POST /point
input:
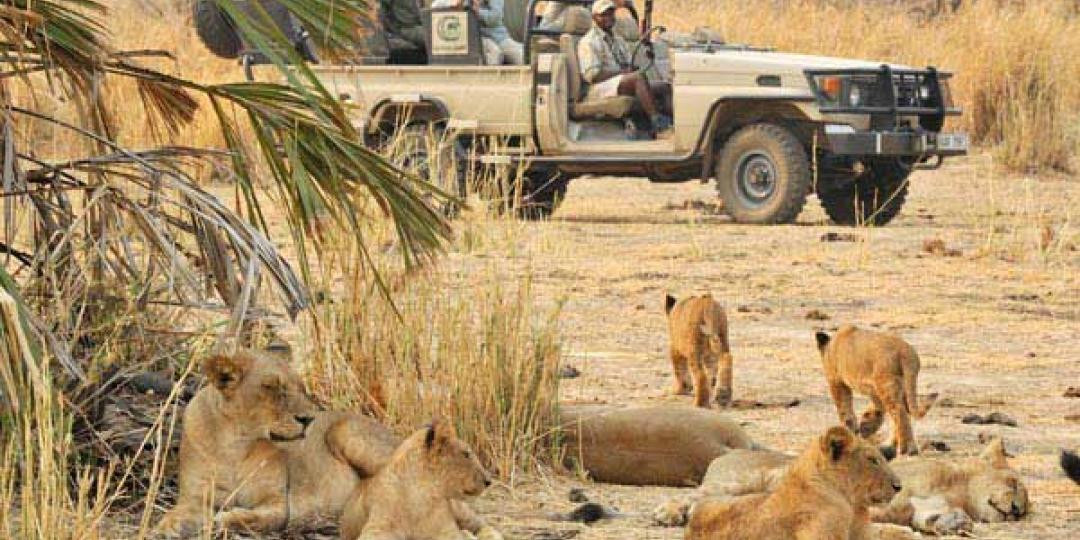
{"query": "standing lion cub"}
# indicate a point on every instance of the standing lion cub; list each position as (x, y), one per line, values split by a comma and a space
(880, 366)
(698, 331)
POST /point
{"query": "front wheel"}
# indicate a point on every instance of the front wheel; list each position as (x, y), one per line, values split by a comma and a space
(763, 175)
(873, 196)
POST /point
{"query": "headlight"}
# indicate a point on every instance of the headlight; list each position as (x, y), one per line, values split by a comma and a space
(854, 96)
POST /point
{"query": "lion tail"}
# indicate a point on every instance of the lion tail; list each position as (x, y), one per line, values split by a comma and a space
(910, 397)
(1070, 463)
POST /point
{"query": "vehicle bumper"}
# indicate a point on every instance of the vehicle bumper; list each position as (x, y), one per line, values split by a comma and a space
(843, 140)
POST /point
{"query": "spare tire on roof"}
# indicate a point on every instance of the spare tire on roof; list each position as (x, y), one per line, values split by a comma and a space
(215, 29)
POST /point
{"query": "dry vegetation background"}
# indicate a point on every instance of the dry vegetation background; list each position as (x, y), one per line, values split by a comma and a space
(481, 336)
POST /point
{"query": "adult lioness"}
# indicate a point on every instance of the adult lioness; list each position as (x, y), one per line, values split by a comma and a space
(698, 331)
(825, 493)
(257, 451)
(881, 366)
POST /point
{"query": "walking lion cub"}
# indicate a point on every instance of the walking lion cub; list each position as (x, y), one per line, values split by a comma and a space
(825, 493)
(880, 366)
(420, 493)
(698, 330)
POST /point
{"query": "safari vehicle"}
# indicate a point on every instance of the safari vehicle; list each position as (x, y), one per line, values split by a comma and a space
(769, 128)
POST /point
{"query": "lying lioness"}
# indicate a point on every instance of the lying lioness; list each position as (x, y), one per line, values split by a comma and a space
(257, 451)
(825, 493)
(881, 366)
(938, 496)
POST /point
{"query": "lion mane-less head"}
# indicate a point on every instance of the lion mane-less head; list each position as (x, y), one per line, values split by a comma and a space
(853, 465)
(451, 462)
(995, 490)
(259, 394)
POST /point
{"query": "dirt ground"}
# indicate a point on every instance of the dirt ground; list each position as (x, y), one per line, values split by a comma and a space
(997, 324)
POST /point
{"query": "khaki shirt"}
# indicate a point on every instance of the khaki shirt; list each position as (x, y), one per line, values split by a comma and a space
(601, 54)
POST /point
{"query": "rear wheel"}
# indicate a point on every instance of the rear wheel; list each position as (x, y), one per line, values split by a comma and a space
(422, 149)
(763, 175)
(534, 197)
(873, 196)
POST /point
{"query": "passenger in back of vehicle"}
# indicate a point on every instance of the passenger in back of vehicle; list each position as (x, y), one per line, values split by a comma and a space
(499, 47)
(575, 19)
(607, 66)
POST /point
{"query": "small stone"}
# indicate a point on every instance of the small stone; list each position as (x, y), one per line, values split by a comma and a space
(578, 495)
(569, 372)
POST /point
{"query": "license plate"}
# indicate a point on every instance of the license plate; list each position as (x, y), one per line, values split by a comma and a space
(952, 141)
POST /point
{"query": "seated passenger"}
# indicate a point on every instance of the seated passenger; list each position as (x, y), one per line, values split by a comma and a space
(499, 47)
(607, 67)
(574, 19)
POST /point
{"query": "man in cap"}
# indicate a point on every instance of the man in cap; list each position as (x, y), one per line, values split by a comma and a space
(607, 66)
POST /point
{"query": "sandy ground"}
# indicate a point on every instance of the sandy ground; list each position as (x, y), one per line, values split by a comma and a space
(997, 325)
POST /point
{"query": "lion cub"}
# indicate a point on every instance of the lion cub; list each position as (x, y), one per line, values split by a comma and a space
(825, 493)
(698, 331)
(420, 493)
(880, 366)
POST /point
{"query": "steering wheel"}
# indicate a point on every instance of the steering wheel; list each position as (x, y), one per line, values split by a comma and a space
(646, 41)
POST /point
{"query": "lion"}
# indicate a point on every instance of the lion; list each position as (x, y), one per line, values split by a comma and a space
(938, 496)
(420, 492)
(826, 493)
(669, 445)
(944, 497)
(880, 366)
(258, 453)
(698, 331)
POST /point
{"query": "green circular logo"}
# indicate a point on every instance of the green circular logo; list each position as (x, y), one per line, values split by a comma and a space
(449, 29)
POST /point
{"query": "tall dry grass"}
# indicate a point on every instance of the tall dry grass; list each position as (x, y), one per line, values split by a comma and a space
(473, 347)
(1017, 71)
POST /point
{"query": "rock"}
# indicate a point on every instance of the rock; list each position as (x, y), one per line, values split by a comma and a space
(569, 372)
(578, 495)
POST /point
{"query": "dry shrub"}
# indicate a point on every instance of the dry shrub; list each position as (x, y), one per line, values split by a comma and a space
(472, 347)
(1015, 63)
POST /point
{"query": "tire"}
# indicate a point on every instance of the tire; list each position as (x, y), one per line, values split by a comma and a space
(873, 197)
(763, 175)
(541, 195)
(215, 29)
(413, 149)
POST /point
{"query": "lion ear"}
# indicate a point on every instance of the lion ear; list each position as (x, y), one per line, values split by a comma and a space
(836, 441)
(225, 372)
(822, 340)
(438, 433)
(669, 303)
(995, 454)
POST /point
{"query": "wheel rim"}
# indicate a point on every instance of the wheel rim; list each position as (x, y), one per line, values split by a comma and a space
(755, 178)
(414, 156)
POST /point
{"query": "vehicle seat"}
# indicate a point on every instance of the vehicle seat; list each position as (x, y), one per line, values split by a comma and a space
(613, 107)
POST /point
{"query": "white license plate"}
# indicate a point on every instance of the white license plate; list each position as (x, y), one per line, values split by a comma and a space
(952, 141)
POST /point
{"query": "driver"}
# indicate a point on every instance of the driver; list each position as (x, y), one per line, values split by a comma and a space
(607, 66)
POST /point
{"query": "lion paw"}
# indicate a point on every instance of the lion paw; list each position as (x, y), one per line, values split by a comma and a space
(954, 522)
(671, 513)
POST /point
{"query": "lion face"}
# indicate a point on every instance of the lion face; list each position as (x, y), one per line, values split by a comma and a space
(453, 463)
(859, 467)
(995, 490)
(260, 394)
